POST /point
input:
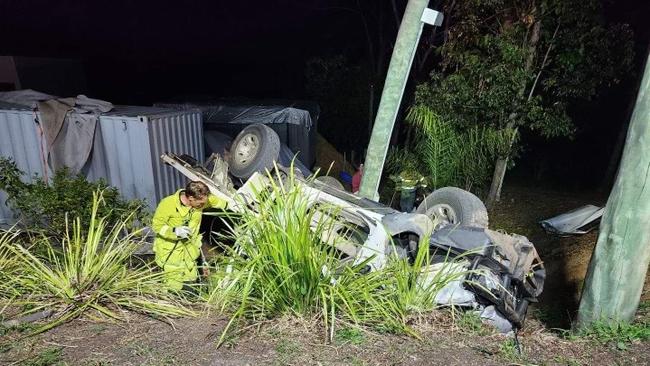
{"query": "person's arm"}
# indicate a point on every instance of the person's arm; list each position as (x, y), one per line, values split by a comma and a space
(216, 202)
(160, 220)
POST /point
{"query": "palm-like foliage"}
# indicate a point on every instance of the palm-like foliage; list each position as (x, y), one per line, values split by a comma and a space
(89, 272)
(450, 156)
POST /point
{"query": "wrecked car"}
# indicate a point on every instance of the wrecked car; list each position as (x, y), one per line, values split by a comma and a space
(504, 272)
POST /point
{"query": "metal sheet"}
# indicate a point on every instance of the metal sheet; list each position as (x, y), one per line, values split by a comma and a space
(180, 132)
(123, 157)
(579, 221)
(20, 141)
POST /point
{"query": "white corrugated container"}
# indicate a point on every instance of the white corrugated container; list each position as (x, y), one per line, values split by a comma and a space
(19, 140)
(128, 144)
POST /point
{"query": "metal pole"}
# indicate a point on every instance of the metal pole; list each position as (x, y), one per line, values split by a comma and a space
(620, 261)
(408, 37)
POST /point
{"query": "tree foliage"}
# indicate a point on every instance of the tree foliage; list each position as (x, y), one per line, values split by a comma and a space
(510, 64)
(341, 90)
(449, 156)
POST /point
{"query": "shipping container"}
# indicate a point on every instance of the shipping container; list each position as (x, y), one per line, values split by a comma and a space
(126, 152)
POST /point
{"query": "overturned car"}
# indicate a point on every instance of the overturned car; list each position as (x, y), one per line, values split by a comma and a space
(503, 272)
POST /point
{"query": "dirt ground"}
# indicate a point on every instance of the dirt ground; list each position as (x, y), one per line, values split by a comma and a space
(291, 341)
(192, 341)
(566, 258)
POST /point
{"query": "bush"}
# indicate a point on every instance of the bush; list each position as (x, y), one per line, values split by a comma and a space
(46, 207)
(448, 155)
(280, 265)
(90, 272)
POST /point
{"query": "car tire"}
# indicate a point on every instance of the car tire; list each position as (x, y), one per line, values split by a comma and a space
(255, 149)
(451, 205)
(331, 182)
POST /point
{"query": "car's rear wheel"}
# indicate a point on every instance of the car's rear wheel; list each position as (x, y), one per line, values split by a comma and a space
(451, 205)
(254, 150)
(331, 181)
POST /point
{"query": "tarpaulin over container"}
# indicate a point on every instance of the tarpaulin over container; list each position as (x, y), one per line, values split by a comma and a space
(294, 122)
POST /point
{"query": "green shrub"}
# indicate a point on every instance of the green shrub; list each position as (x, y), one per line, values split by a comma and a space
(46, 207)
(90, 271)
(448, 155)
(619, 333)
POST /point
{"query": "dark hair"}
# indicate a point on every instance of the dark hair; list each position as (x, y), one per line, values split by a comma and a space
(196, 189)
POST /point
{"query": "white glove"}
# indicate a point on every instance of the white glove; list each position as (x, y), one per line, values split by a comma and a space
(182, 232)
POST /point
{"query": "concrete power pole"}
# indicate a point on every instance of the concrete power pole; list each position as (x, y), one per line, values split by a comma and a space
(620, 261)
(408, 37)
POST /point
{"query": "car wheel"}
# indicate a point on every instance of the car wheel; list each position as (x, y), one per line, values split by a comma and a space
(254, 150)
(451, 205)
(331, 182)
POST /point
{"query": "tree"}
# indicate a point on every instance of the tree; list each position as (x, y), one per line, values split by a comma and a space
(510, 64)
(449, 156)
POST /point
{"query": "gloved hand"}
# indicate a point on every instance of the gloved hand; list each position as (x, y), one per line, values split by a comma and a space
(183, 232)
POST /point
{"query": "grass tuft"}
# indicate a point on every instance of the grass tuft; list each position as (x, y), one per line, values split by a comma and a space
(620, 334)
(508, 350)
(352, 335)
(470, 321)
(48, 357)
(280, 265)
(87, 272)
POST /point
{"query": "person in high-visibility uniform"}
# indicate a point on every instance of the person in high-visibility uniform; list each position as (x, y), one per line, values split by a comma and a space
(407, 183)
(178, 241)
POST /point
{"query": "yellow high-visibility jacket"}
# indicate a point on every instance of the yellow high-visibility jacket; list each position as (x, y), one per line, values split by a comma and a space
(176, 256)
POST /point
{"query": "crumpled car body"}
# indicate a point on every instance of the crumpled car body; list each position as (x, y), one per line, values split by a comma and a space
(503, 272)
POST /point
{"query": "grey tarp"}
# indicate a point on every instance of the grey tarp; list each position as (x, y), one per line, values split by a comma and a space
(295, 122)
(25, 97)
(70, 135)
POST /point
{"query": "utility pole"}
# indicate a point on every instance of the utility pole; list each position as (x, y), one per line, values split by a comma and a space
(408, 37)
(620, 261)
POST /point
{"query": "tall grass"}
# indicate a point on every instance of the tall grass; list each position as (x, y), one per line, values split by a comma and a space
(87, 272)
(279, 265)
(9, 266)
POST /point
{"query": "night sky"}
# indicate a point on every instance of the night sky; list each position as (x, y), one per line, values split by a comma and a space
(140, 52)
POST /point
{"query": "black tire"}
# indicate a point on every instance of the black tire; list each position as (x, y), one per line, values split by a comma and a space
(254, 150)
(464, 207)
(331, 181)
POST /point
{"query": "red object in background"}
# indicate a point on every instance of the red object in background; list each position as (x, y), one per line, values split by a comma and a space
(356, 179)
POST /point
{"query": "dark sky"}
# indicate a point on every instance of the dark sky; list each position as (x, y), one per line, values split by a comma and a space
(140, 52)
(162, 48)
